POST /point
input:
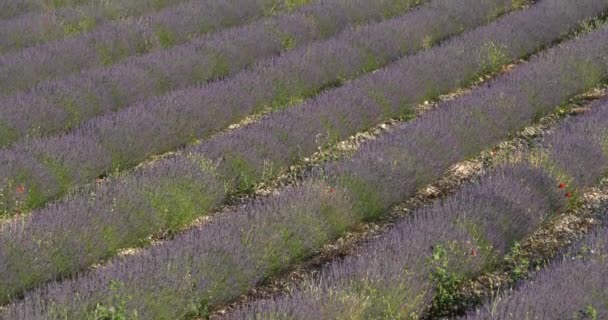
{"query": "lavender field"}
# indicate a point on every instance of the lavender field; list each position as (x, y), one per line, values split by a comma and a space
(303, 159)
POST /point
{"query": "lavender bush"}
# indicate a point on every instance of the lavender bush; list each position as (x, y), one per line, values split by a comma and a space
(114, 42)
(11, 9)
(249, 245)
(39, 27)
(75, 99)
(407, 158)
(586, 136)
(573, 288)
(165, 196)
(130, 136)
(422, 258)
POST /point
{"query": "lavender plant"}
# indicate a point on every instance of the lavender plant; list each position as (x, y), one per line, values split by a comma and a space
(410, 156)
(117, 41)
(572, 287)
(11, 9)
(422, 259)
(130, 136)
(75, 99)
(35, 27)
(582, 141)
(226, 245)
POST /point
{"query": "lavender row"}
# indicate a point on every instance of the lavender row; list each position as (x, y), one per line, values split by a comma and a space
(11, 9)
(218, 261)
(419, 259)
(575, 287)
(181, 116)
(128, 137)
(38, 27)
(233, 174)
(422, 258)
(245, 156)
(114, 42)
(66, 103)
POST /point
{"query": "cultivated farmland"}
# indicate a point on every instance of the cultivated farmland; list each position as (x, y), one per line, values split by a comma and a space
(303, 159)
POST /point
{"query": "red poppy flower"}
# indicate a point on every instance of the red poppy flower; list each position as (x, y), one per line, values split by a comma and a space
(568, 194)
(20, 189)
(332, 190)
(474, 252)
(561, 185)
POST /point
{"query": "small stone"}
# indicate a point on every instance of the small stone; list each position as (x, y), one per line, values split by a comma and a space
(579, 110)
